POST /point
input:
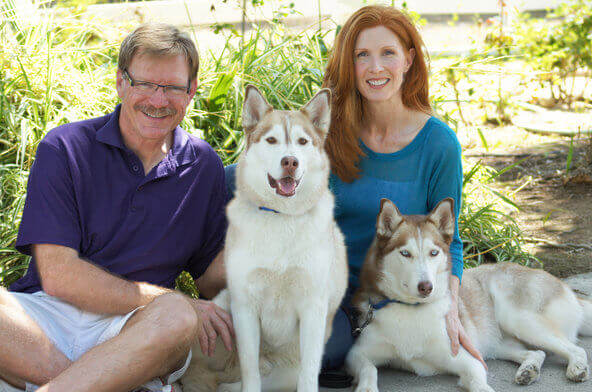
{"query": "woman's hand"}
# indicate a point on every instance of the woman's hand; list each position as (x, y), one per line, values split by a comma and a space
(456, 331)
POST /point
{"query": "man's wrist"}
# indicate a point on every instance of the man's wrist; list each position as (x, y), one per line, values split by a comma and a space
(149, 291)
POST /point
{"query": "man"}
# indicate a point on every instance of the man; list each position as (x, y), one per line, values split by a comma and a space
(116, 207)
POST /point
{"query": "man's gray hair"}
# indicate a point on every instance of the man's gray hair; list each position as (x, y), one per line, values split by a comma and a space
(158, 39)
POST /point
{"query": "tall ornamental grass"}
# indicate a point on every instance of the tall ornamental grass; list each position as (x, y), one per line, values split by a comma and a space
(52, 71)
(57, 68)
(286, 67)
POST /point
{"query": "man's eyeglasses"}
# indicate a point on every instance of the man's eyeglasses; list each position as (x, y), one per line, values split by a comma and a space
(148, 88)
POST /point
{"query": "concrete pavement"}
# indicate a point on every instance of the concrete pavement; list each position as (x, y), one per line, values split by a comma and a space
(501, 373)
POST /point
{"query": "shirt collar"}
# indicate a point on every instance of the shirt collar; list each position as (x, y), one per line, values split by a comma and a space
(182, 151)
(110, 133)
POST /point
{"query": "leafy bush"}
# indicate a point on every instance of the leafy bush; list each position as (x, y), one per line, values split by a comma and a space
(287, 68)
(489, 234)
(559, 47)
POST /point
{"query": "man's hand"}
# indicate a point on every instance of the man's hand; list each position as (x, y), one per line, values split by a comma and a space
(213, 321)
(457, 334)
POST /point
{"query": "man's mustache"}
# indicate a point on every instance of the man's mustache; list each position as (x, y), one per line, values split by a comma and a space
(156, 112)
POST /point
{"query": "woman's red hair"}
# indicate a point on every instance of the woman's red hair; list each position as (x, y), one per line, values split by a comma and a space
(343, 144)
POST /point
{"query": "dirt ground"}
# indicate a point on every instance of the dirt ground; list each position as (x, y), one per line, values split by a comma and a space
(555, 208)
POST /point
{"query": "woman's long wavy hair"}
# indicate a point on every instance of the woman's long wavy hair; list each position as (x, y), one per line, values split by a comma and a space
(342, 143)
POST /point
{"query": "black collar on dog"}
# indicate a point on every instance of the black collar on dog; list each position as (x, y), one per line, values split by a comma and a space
(268, 209)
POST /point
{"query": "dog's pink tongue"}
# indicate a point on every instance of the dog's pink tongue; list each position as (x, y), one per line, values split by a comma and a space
(287, 185)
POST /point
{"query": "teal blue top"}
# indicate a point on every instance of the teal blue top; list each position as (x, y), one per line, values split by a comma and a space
(415, 178)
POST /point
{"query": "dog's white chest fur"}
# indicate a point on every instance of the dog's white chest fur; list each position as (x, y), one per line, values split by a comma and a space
(412, 332)
(275, 262)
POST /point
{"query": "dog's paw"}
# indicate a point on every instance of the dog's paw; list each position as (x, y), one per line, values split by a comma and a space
(527, 374)
(578, 372)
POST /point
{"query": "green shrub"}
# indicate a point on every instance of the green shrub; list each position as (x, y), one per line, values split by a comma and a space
(558, 47)
(489, 234)
(287, 68)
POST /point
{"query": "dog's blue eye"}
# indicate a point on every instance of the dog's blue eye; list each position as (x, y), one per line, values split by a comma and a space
(271, 140)
(434, 253)
(405, 253)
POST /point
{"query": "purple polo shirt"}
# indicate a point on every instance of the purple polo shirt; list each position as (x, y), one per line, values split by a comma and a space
(87, 191)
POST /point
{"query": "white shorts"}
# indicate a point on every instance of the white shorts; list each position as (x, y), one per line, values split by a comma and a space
(74, 332)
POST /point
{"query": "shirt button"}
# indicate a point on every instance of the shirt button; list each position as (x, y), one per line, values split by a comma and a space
(135, 168)
(134, 209)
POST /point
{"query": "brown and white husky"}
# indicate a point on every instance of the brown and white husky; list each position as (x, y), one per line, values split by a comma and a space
(503, 307)
(285, 256)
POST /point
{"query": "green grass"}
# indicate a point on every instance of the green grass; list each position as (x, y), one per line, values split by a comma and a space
(489, 234)
(61, 68)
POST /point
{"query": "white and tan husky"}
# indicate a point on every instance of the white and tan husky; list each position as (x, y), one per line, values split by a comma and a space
(502, 307)
(284, 254)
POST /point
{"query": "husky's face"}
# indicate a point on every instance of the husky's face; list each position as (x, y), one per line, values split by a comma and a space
(413, 252)
(284, 159)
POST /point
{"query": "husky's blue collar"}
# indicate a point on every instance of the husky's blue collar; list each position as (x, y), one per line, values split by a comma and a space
(268, 209)
(387, 301)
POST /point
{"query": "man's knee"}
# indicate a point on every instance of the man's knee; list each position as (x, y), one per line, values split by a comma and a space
(173, 321)
(27, 353)
(12, 381)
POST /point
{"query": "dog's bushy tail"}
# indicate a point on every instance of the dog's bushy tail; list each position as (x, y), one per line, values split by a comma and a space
(586, 328)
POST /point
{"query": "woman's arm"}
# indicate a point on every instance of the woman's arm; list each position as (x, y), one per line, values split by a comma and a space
(456, 331)
(446, 181)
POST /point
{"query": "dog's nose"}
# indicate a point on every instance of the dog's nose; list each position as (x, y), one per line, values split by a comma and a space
(425, 288)
(289, 164)
(290, 161)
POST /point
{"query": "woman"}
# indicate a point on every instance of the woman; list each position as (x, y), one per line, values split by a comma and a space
(384, 142)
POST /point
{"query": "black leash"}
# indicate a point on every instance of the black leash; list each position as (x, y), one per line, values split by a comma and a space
(367, 320)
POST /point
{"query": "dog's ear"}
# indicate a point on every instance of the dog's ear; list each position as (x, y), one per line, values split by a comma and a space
(443, 217)
(388, 219)
(318, 110)
(254, 108)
